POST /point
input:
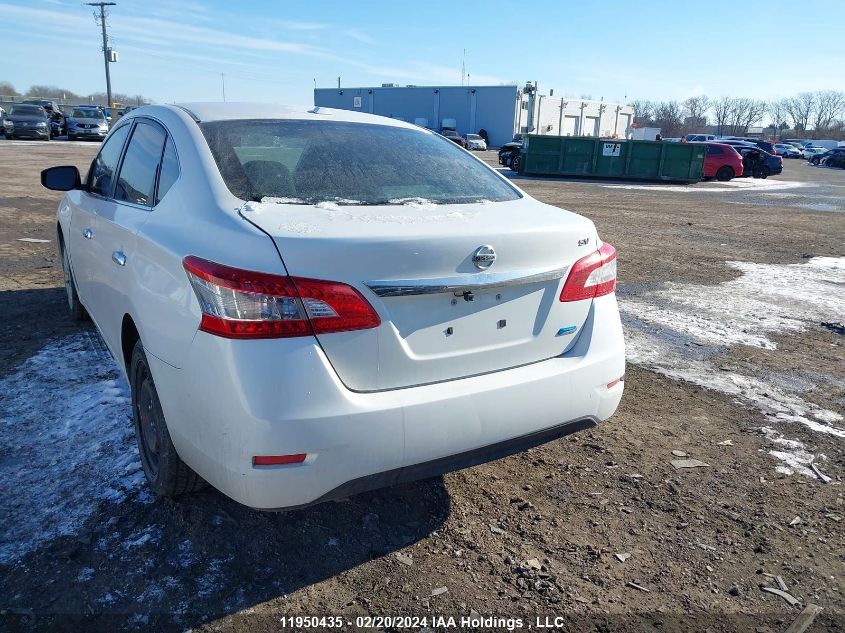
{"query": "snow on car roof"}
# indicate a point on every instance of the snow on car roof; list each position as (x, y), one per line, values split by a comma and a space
(228, 111)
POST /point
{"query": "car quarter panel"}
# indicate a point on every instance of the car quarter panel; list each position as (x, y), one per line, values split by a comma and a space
(198, 216)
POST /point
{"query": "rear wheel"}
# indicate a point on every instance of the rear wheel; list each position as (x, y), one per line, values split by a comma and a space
(725, 173)
(765, 172)
(516, 161)
(816, 160)
(77, 310)
(166, 473)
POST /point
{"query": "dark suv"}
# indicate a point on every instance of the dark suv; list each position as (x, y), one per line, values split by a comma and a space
(766, 146)
(58, 125)
(832, 158)
(508, 151)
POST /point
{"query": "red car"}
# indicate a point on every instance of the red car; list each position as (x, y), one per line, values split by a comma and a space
(722, 162)
(455, 138)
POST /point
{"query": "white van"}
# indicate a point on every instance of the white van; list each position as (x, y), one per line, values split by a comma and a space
(826, 143)
(697, 138)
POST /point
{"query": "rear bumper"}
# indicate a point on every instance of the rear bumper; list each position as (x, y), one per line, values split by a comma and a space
(236, 399)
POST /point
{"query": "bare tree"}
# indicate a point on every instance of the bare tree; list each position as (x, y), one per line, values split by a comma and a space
(695, 109)
(777, 110)
(7, 89)
(722, 111)
(830, 105)
(755, 109)
(800, 108)
(668, 117)
(643, 112)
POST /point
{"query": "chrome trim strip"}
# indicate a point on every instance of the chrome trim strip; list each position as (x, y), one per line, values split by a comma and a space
(463, 283)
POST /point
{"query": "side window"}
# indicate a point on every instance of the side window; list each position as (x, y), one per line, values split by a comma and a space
(712, 149)
(169, 170)
(136, 182)
(101, 176)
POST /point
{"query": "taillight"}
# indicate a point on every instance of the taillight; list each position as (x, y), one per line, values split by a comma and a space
(245, 304)
(591, 276)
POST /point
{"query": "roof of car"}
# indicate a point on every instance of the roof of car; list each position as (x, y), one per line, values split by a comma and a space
(229, 111)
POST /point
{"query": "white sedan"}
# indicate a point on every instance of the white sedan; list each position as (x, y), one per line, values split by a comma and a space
(475, 142)
(786, 151)
(313, 303)
(809, 152)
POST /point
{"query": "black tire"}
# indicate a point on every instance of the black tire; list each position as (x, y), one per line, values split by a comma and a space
(77, 310)
(167, 475)
(71, 137)
(816, 160)
(725, 173)
(516, 161)
(765, 172)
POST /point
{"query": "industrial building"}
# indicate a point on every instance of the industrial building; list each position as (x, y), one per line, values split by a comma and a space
(500, 110)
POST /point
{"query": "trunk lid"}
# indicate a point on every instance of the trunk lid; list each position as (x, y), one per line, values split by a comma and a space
(443, 316)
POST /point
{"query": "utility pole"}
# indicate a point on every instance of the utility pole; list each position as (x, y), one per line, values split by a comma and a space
(106, 59)
(223, 80)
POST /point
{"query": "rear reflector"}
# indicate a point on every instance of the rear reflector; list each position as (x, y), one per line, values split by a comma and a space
(613, 383)
(278, 460)
(246, 304)
(591, 276)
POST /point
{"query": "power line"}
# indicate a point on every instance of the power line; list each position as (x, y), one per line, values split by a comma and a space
(106, 50)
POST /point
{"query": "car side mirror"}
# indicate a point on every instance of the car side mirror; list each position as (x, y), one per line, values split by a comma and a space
(63, 178)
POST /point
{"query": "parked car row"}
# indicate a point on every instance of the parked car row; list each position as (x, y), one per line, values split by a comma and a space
(468, 141)
(728, 159)
(831, 157)
(45, 119)
(725, 159)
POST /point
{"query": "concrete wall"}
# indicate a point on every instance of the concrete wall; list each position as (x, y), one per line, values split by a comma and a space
(501, 110)
(473, 107)
(595, 118)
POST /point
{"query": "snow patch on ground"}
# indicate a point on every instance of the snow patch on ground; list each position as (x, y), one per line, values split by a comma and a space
(792, 453)
(766, 299)
(738, 184)
(66, 443)
(819, 206)
(678, 329)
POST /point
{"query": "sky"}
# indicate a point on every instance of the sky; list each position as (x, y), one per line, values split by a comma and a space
(174, 51)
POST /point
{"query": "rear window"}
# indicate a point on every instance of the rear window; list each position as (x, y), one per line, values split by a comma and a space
(307, 162)
(85, 113)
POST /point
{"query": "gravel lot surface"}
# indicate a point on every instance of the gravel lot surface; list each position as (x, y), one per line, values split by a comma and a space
(733, 298)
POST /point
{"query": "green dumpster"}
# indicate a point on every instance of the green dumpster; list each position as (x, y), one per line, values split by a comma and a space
(611, 158)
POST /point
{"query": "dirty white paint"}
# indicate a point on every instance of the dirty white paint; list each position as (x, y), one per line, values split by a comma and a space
(66, 443)
(678, 329)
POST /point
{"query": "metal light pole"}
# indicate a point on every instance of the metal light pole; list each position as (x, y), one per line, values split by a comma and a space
(106, 59)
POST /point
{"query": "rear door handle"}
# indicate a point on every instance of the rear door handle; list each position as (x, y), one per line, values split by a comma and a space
(119, 258)
(87, 234)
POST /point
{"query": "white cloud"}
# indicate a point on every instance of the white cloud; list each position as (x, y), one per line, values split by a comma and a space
(358, 35)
